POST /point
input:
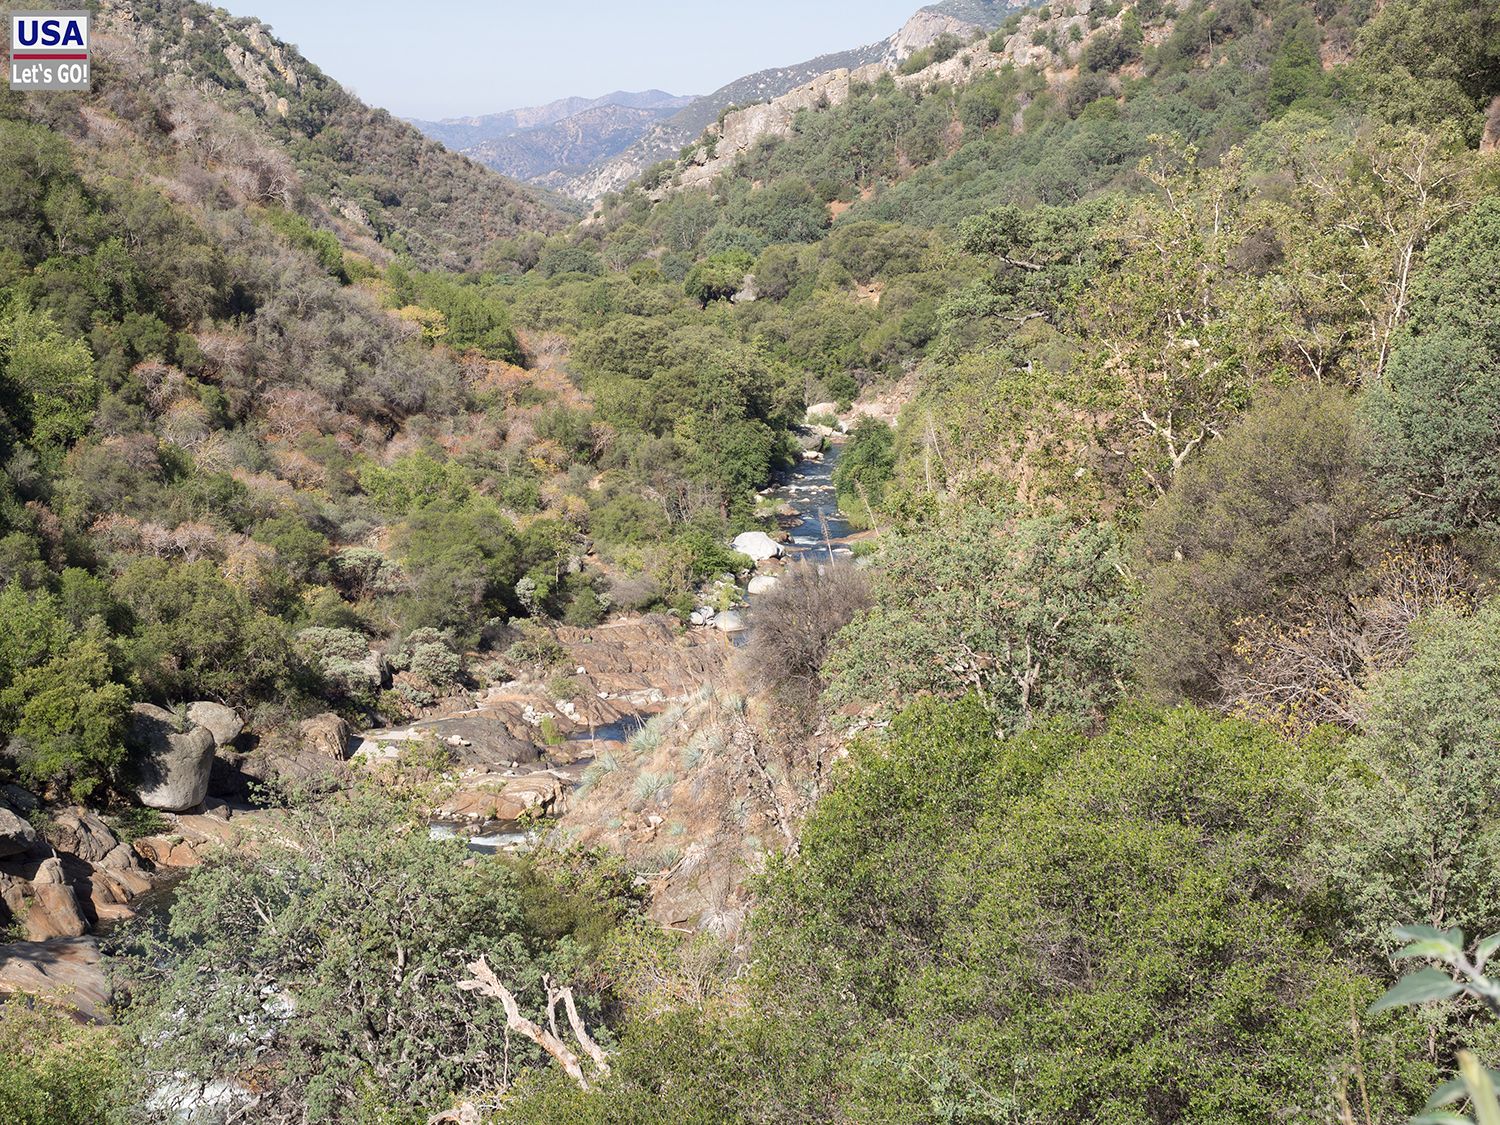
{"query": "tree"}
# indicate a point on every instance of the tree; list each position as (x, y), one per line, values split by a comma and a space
(1435, 433)
(1268, 516)
(67, 718)
(1424, 61)
(1048, 926)
(719, 277)
(1029, 612)
(1411, 827)
(50, 377)
(462, 562)
(1296, 71)
(193, 636)
(865, 468)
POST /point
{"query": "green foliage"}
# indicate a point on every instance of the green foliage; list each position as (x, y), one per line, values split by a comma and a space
(1434, 439)
(718, 277)
(1029, 612)
(67, 717)
(368, 923)
(193, 636)
(322, 244)
(1408, 831)
(55, 1070)
(1047, 926)
(1111, 910)
(61, 702)
(1463, 974)
(48, 379)
(1266, 514)
(462, 561)
(1424, 61)
(413, 481)
(1296, 71)
(866, 466)
(472, 316)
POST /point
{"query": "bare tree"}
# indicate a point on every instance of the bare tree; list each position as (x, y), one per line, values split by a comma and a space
(1310, 669)
(794, 624)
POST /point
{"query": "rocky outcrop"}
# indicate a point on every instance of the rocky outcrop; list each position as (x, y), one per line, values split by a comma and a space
(194, 837)
(81, 833)
(172, 759)
(754, 90)
(922, 30)
(742, 128)
(53, 910)
(66, 971)
(506, 799)
(325, 735)
(69, 879)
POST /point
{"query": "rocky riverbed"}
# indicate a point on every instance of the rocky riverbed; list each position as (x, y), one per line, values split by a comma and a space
(636, 739)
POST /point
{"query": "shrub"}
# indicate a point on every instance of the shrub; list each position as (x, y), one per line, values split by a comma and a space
(795, 623)
(1030, 612)
(1267, 514)
(56, 1070)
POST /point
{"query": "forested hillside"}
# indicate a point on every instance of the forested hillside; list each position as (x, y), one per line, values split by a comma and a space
(1157, 348)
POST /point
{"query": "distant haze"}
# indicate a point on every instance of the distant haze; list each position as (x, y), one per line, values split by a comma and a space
(450, 58)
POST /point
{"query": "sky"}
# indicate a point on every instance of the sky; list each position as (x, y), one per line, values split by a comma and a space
(451, 58)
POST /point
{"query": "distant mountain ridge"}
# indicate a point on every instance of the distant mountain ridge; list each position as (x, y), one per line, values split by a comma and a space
(461, 133)
(545, 142)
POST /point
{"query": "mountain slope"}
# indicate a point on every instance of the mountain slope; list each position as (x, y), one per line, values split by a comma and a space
(687, 125)
(550, 151)
(379, 174)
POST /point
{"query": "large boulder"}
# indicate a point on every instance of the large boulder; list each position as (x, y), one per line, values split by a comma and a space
(54, 910)
(758, 545)
(326, 735)
(19, 799)
(729, 622)
(16, 835)
(762, 584)
(173, 763)
(220, 721)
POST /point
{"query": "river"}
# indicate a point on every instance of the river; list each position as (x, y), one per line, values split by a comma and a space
(817, 524)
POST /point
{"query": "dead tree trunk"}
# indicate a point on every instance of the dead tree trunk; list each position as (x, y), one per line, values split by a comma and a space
(487, 984)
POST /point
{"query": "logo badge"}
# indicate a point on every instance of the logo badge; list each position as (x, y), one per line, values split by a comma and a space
(49, 51)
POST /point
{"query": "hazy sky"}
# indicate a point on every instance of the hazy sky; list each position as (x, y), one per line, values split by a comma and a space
(448, 58)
